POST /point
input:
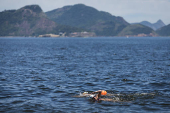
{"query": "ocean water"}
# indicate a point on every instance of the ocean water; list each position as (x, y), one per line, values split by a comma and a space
(46, 74)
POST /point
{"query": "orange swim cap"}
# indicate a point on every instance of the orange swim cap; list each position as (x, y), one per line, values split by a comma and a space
(103, 92)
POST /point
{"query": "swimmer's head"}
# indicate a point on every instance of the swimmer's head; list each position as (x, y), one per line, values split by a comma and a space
(103, 92)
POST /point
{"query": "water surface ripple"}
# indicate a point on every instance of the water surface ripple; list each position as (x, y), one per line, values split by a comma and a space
(44, 75)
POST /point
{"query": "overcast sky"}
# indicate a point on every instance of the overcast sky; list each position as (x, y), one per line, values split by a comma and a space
(131, 10)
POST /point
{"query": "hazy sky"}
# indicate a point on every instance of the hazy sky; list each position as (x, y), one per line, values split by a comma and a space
(130, 10)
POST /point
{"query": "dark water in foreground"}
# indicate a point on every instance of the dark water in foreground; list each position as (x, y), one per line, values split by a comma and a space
(44, 75)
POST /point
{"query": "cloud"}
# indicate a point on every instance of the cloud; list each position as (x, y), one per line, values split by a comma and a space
(131, 10)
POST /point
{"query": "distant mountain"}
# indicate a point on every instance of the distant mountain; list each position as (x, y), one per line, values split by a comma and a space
(25, 21)
(28, 21)
(136, 29)
(154, 26)
(32, 21)
(164, 31)
(79, 15)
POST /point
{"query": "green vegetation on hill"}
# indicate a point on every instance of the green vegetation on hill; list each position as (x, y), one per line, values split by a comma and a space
(34, 8)
(164, 31)
(57, 12)
(6, 26)
(102, 23)
(29, 21)
(135, 29)
(21, 22)
(112, 28)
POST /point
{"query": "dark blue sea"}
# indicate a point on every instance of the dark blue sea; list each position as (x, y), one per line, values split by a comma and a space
(45, 74)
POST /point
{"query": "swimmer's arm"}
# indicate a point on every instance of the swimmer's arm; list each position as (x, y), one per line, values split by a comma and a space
(110, 100)
(96, 91)
(106, 99)
(113, 100)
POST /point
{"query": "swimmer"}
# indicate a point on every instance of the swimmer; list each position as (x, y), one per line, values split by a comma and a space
(102, 95)
(96, 97)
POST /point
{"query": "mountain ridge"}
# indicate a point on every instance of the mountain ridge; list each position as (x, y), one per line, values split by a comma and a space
(29, 20)
(25, 21)
(155, 26)
(137, 29)
(87, 17)
(164, 31)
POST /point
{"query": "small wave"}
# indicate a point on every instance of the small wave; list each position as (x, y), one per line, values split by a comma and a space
(17, 102)
(160, 84)
(45, 88)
